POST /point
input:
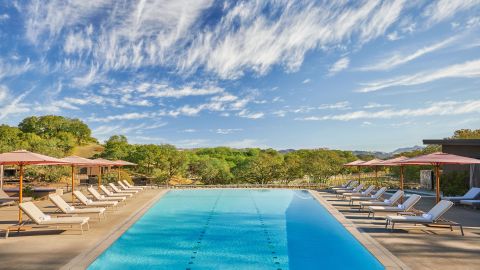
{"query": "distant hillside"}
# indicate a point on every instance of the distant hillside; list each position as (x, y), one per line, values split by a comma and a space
(384, 155)
(87, 151)
(407, 149)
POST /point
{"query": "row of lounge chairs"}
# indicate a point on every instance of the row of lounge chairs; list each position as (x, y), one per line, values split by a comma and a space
(69, 215)
(405, 212)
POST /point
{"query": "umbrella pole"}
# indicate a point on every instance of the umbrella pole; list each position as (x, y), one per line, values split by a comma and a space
(73, 182)
(118, 172)
(376, 175)
(401, 177)
(437, 182)
(20, 195)
(99, 178)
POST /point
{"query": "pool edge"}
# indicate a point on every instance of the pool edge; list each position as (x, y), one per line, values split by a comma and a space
(383, 255)
(84, 259)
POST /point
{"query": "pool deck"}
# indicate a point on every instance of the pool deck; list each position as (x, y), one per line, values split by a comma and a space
(422, 248)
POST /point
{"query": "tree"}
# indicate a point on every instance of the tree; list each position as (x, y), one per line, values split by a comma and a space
(466, 134)
(116, 147)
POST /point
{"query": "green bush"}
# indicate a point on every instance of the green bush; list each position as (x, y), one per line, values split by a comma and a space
(454, 183)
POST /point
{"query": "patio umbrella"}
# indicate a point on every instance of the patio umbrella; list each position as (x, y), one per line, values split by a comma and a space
(121, 163)
(393, 162)
(22, 158)
(355, 163)
(437, 159)
(78, 161)
(103, 162)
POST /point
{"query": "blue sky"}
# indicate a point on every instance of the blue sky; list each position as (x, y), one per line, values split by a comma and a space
(370, 75)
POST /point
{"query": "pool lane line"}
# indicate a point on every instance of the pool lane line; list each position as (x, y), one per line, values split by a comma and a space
(199, 239)
(269, 241)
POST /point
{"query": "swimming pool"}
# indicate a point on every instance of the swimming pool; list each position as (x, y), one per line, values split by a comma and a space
(236, 229)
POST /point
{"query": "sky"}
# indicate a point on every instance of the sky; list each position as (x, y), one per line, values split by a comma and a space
(352, 75)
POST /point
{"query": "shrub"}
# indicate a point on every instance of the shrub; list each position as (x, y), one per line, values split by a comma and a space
(454, 183)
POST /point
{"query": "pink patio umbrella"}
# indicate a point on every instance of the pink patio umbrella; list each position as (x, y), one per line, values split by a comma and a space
(355, 163)
(121, 163)
(78, 161)
(103, 162)
(437, 159)
(393, 162)
(22, 158)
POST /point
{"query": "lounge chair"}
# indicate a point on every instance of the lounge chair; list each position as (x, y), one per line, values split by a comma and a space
(431, 218)
(387, 202)
(130, 185)
(374, 197)
(117, 190)
(474, 203)
(87, 202)
(355, 190)
(407, 206)
(472, 194)
(111, 194)
(39, 218)
(365, 193)
(351, 186)
(4, 198)
(342, 186)
(99, 197)
(124, 187)
(71, 210)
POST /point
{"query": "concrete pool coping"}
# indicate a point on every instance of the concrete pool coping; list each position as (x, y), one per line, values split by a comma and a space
(383, 255)
(84, 259)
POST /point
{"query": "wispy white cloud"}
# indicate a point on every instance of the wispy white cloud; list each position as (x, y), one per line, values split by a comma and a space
(226, 131)
(186, 91)
(443, 108)
(124, 116)
(251, 115)
(306, 81)
(342, 105)
(338, 66)
(444, 9)
(402, 58)
(246, 143)
(469, 69)
(14, 106)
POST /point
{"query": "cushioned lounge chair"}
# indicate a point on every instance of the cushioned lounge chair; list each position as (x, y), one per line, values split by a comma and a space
(350, 186)
(117, 190)
(111, 194)
(433, 217)
(344, 185)
(474, 203)
(124, 187)
(364, 193)
(407, 206)
(355, 190)
(39, 218)
(65, 208)
(374, 197)
(87, 202)
(99, 197)
(472, 194)
(130, 185)
(387, 202)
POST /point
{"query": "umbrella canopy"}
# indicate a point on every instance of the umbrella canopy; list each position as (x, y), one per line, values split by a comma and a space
(354, 163)
(124, 163)
(370, 163)
(437, 159)
(105, 162)
(22, 158)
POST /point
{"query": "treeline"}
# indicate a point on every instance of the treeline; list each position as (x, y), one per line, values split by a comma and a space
(222, 165)
(50, 135)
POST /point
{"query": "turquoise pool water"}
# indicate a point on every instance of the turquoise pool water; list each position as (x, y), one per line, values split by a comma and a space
(236, 229)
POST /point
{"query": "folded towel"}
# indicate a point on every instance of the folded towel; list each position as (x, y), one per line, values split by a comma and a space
(386, 201)
(89, 201)
(45, 218)
(70, 208)
(372, 196)
(101, 196)
(427, 216)
(363, 192)
(401, 206)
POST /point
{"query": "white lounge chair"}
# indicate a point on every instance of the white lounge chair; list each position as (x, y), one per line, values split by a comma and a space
(111, 194)
(387, 202)
(350, 186)
(406, 206)
(99, 197)
(124, 187)
(472, 194)
(433, 217)
(474, 203)
(365, 193)
(355, 190)
(87, 202)
(117, 190)
(65, 208)
(39, 218)
(130, 185)
(374, 197)
(4, 198)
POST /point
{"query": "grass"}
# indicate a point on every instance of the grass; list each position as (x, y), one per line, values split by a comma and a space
(87, 151)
